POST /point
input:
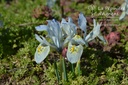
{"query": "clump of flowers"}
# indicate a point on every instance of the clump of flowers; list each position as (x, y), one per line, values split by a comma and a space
(64, 35)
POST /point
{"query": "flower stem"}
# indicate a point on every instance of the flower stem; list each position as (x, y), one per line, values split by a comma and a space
(56, 71)
(78, 68)
(64, 70)
(73, 70)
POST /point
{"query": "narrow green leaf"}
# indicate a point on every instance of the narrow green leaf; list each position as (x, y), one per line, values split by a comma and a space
(64, 70)
(56, 71)
(77, 69)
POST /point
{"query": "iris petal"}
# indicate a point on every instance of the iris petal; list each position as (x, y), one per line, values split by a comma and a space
(126, 1)
(45, 41)
(95, 33)
(82, 22)
(38, 38)
(74, 53)
(94, 22)
(96, 30)
(89, 37)
(67, 40)
(102, 38)
(78, 40)
(41, 28)
(56, 42)
(70, 20)
(68, 27)
(42, 40)
(122, 16)
(123, 7)
(41, 53)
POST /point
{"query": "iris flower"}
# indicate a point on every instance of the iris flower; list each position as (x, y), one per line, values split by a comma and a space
(42, 50)
(56, 35)
(54, 30)
(70, 29)
(75, 48)
(65, 32)
(124, 8)
(95, 33)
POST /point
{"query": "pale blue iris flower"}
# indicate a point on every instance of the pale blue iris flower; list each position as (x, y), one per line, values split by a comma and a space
(42, 50)
(54, 30)
(55, 33)
(95, 33)
(124, 8)
(75, 48)
(41, 53)
(65, 32)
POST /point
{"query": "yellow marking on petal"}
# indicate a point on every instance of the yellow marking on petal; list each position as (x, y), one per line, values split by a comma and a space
(73, 49)
(40, 49)
(77, 36)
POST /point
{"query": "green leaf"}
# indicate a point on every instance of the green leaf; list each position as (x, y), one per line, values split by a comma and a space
(77, 69)
(41, 53)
